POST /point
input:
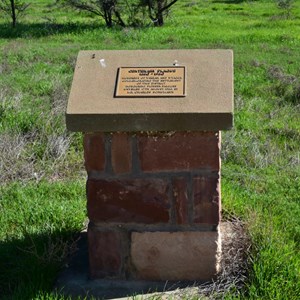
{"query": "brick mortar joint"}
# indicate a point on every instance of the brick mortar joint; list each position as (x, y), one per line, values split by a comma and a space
(135, 227)
(135, 168)
(172, 209)
(94, 175)
(108, 170)
(190, 197)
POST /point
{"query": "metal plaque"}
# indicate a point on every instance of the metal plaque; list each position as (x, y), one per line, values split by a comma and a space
(151, 82)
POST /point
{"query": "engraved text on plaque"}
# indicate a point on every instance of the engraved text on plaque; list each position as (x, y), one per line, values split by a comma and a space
(151, 82)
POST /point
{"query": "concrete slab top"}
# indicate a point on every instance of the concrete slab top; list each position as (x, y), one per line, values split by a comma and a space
(206, 105)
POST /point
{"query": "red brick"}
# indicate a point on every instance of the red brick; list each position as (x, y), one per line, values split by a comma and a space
(206, 194)
(136, 200)
(105, 253)
(179, 151)
(121, 156)
(94, 151)
(181, 200)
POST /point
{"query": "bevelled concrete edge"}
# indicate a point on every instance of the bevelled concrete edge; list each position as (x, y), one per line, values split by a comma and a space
(79, 285)
(149, 122)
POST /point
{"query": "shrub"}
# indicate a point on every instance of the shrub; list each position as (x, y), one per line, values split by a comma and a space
(13, 8)
(285, 5)
(113, 11)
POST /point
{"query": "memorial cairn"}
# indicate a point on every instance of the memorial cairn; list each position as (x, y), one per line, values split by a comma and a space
(151, 122)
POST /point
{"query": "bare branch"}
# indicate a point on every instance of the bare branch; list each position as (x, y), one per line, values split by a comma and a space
(168, 6)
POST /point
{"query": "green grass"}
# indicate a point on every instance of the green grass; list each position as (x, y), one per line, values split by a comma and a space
(39, 222)
(42, 200)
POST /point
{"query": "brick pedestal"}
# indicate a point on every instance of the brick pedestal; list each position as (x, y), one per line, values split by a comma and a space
(153, 188)
(154, 204)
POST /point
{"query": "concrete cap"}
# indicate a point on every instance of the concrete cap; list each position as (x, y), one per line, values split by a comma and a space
(208, 104)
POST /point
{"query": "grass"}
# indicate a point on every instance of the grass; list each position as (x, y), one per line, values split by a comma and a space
(42, 201)
(39, 224)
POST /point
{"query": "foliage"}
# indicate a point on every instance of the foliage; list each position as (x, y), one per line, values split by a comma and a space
(109, 10)
(13, 8)
(115, 11)
(157, 9)
(285, 5)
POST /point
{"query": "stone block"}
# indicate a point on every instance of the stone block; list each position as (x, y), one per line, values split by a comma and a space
(175, 255)
(180, 151)
(130, 200)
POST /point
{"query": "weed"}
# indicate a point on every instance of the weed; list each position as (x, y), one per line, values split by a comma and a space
(287, 86)
(14, 164)
(285, 5)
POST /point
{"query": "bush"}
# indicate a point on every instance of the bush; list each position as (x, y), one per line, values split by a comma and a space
(113, 11)
(13, 8)
(286, 5)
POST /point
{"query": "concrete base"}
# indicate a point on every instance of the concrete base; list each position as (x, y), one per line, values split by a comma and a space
(118, 289)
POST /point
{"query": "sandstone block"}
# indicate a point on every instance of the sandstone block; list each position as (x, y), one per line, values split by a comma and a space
(208, 105)
(175, 255)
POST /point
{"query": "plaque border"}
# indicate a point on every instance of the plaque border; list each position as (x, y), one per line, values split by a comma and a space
(150, 96)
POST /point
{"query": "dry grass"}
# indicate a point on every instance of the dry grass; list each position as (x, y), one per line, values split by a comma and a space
(233, 274)
(276, 72)
(33, 152)
(14, 163)
(286, 87)
(55, 250)
(234, 262)
(19, 163)
(247, 148)
(59, 98)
